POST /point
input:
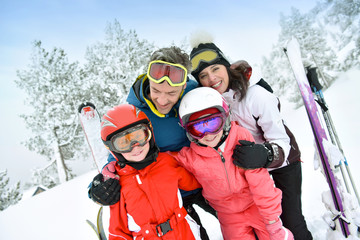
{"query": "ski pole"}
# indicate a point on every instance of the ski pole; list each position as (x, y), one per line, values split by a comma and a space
(328, 116)
(333, 135)
(316, 87)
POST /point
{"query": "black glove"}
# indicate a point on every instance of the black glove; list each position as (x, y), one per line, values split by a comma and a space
(249, 155)
(105, 192)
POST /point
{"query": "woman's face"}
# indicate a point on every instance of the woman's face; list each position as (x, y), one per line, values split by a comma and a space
(215, 76)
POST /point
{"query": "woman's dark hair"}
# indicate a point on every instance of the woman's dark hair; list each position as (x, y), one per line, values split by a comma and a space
(238, 82)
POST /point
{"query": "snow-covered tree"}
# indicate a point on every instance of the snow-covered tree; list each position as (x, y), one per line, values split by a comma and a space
(315, 52)
(113, 65)
(53, 88)
(342, 21)
(56, 87)
(45, 176)
(8, 196)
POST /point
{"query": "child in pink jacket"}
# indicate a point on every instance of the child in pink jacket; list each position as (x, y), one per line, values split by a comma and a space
(246, 201)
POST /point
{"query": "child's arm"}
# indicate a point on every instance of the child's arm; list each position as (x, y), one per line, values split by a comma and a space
(277, 231)
(266, 196)
(118, 222)
(187, 181)
(268, 200)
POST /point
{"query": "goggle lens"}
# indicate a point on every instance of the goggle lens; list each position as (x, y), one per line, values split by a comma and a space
(125, 141)
(205, 56)
(211, 124)
(174, 74)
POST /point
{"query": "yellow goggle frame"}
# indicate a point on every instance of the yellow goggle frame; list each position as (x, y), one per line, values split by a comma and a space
(174, 74)
(204, 56)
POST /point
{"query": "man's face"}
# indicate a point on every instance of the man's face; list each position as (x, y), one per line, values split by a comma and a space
(164, 96)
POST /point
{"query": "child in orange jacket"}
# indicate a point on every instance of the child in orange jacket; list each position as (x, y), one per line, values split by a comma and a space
(150, 206)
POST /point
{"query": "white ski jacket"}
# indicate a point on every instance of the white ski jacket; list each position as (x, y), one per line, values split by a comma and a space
(259, 113)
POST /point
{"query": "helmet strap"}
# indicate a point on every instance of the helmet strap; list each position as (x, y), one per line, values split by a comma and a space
(226, 131)
(227, 125)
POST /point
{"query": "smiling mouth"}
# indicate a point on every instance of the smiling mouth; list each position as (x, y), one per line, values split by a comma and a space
(216, 85)
(137, 154)
(211, 139)
(162, 106)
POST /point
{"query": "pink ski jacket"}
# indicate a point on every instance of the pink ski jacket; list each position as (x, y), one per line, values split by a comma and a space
(228, 188)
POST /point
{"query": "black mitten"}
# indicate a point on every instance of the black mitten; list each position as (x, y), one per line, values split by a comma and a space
(105, 192)
(249, 155)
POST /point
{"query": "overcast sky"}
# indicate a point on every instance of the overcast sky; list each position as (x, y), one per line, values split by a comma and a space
(242, 29)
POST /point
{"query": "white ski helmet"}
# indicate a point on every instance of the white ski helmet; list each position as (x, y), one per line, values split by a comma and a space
(199, 99)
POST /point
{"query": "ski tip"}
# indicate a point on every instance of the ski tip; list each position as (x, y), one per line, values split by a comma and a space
(86, 104)
(289, 43)
(292, 42)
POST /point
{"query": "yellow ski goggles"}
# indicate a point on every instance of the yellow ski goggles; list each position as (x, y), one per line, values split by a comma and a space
(174, 74)
(206, 56)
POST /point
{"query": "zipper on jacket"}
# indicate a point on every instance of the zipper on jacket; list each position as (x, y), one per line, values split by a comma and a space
(227, 175)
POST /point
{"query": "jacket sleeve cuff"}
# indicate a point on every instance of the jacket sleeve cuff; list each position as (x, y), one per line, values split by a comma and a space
(278, 156)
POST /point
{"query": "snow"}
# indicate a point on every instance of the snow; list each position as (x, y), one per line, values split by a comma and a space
(61, 212)
(31, 191)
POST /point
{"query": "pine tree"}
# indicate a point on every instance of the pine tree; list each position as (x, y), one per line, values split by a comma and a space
(315, 52)
(44, 176)
(55, 88)
(52, 85)
(8, 196)
(113, 65)
(342, 21)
